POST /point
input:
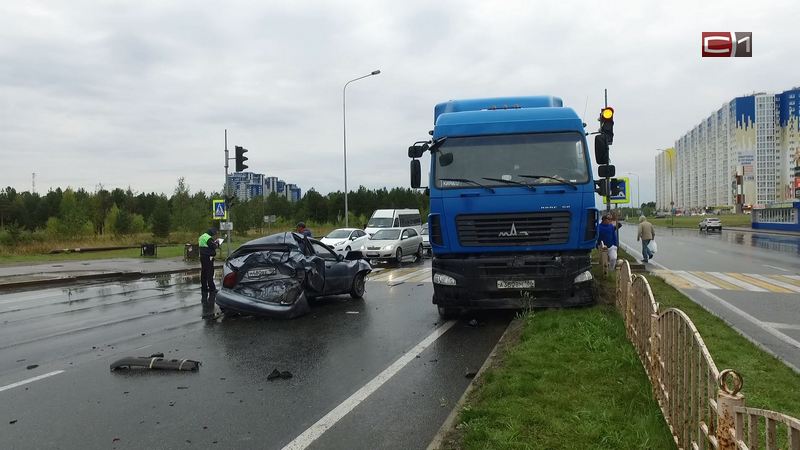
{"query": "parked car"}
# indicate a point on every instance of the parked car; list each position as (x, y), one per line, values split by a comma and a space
(710, 223)
(343, 240)
(392, 244)
(277, 275)
(426, 241)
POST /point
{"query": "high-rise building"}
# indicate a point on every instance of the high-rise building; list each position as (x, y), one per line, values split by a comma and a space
(744, 153)
(247, 185)
(665, 179)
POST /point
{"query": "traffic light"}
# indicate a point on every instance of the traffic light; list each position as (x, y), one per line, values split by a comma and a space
(240, 158)
(616, 186)
(607, 124)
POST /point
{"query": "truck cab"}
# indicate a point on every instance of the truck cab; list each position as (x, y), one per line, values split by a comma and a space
(512, 209)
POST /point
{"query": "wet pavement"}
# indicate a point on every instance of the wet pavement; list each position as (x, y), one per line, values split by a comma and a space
(382, 372)
(750, 279)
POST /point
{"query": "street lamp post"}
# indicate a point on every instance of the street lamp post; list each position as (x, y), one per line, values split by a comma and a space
(344, 139)
(638, 192)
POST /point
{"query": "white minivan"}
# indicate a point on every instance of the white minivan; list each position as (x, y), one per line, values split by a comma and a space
(394, 218)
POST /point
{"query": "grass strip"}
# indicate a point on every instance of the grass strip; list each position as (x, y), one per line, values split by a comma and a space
(570, 379)
(768, 382)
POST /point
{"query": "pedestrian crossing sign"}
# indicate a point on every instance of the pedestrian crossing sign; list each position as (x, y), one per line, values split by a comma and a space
(218, 210)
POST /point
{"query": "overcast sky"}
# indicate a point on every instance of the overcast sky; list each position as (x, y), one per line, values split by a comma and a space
(138, 93)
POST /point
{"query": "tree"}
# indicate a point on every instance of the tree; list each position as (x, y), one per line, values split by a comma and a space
(160, 219)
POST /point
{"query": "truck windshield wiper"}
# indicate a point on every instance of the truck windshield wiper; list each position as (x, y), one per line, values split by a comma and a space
(465, 180)
(536, 177)
(527, 185)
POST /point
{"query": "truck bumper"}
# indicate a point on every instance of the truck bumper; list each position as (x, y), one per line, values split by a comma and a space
(547, 280)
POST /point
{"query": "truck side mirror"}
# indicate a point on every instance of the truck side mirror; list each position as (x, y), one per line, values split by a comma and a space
(600, 149)
(416, 173)
(606, 171)
(417, 150)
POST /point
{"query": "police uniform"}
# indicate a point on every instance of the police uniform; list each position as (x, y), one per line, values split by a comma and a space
(208, 249)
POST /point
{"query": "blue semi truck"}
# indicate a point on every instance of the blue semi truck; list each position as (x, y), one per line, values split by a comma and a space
(512, 204)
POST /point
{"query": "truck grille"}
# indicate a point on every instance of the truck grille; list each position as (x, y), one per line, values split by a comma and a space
(481, 230)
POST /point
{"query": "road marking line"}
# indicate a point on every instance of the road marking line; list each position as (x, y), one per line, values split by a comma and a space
(786, 279)
(775, 267)
(421, 277)
(403, 278)
(775, 282)
(787, 326)
(699, 282)
(757, 282)
(329, 420)
(794, 277)
(718, 281)
(29, 380)
(391, 273)
(738, 282)
(673, 279)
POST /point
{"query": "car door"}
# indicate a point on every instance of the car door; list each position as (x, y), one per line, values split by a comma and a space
(337, 277)
(414, 239)
(358, 239)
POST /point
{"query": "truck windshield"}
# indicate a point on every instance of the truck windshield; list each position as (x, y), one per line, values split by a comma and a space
(559, 156)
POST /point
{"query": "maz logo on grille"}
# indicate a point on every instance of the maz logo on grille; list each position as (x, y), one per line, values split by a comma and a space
(513, 232)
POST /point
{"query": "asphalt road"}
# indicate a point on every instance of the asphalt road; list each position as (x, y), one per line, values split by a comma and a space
(751, 280)
(382, 372)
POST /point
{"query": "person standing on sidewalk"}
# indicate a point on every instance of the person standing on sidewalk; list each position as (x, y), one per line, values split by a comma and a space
(646, 234)
(208, 250)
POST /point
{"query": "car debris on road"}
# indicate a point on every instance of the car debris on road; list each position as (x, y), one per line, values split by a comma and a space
(156, 362)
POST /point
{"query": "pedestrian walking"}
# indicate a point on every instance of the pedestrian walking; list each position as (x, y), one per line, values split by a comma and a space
(208, 250)
(607, 236)
(646, 234)
(301, 228)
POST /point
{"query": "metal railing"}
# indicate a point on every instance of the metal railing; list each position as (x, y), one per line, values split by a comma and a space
(702, 405)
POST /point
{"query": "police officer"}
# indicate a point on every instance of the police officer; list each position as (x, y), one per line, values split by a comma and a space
(208, 249)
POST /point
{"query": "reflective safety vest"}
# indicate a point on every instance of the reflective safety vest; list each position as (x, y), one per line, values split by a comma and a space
(203, 241)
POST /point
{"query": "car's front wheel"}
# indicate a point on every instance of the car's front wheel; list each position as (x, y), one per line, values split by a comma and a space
(420, 253)
(359, 285)
(398, 256)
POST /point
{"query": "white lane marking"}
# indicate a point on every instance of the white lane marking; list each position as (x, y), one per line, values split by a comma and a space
(787, 326)
(763, 325)
(697, 281)
(329, 420)
(775, 267)
(774, 282)
(29, 380)
(738, 282)
(400, 280)
(794, 277)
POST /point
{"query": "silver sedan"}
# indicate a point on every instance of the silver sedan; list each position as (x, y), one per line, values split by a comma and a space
(392, 244)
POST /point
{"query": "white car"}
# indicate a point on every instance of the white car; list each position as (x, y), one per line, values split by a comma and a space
(426, 241)
(392, 244)
(710, 223)
(342, 240)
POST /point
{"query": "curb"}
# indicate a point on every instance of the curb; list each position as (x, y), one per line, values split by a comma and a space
(449, 422)
(94, 277)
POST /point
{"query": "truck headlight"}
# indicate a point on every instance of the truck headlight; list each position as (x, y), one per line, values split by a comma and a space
(583, 277)
(440, 278)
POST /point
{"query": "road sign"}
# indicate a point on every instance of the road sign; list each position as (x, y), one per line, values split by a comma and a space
(621, 185)
(226, 226)
(218, 210)
(270, 219)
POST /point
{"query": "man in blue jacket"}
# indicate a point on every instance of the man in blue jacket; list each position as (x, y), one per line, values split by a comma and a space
(607, 235)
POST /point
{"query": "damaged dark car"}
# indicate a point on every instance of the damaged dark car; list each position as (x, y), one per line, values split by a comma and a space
(277, 275)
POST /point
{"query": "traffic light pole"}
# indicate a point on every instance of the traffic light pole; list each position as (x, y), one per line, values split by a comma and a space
(227, 194)
(608, 179)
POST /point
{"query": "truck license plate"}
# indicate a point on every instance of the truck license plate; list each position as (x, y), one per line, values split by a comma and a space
(516, 284)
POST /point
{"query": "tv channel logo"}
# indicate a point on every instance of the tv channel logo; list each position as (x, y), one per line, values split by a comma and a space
(727, 44)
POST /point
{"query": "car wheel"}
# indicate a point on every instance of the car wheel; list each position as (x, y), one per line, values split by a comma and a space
(359, 285)
(447, 313)
(420, 253)
(398, 257)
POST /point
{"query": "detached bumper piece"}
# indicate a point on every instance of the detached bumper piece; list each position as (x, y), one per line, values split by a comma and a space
(155, 363)
(513, 281)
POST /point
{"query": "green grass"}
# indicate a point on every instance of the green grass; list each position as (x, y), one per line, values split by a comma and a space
(768, 382)
(731, 220)
(572, 380)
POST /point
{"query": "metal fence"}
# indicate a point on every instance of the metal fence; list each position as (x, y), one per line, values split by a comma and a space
(703, 406)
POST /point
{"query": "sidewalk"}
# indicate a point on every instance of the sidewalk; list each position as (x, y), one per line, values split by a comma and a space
(760, 231)
(65, 272)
